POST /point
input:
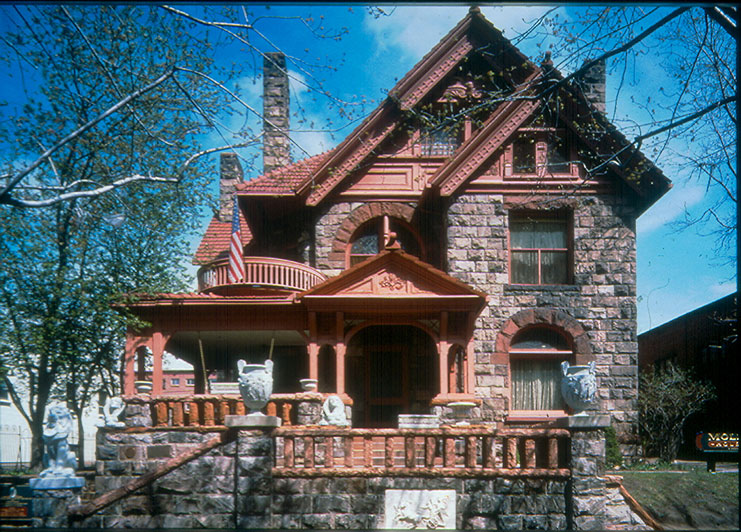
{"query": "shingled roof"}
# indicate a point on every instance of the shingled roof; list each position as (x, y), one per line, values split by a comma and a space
(286, 180)
(217, 239)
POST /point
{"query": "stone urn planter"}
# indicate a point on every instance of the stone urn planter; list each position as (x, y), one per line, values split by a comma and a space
(144, 387)
(308, 385)
(255, 384)
(578, 386)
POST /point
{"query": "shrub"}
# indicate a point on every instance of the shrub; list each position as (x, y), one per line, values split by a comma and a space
(666, 399)
(613, 456)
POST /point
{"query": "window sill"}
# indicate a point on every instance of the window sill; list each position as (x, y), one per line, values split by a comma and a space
(534, 416)
(541, 288)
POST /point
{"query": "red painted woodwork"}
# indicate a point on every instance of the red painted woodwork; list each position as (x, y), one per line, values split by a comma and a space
(261, 273)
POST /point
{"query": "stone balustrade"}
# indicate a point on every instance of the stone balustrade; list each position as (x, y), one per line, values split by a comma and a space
(469, 452)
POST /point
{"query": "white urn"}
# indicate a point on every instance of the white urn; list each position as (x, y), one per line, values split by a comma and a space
(255, 384)
(578, 385)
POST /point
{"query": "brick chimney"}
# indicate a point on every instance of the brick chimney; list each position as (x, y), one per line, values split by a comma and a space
(593, 84)
(276, 151)
(231, 173)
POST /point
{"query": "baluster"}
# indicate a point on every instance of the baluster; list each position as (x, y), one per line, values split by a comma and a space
(288, 454)
(388, 449)
(553, 453)
(449, 453)
(160, 408)
(329, 451)
(368, 451)
(286, 414)
(208, 413)
(194, 418)
(177, 414)
(529, 461)
(272, 409)
(488, 452)
(509, 453)
(430, 451)
(308, 451)
(471, 451)
(239, 408)
(409, 451)
(224, 410)
(348, 451)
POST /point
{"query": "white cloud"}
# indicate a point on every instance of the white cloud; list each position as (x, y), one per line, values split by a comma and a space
(673, 205)
(413, 30)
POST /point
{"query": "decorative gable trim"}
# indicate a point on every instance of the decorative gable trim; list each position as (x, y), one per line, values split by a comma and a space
(469, 157)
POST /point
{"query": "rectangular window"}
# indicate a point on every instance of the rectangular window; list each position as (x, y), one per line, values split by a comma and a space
(191, 382)
(438, 142)
(536, 384)
(539, 248)
(175, 382)
(523, 156)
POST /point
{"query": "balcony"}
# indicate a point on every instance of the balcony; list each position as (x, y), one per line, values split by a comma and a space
(262, 275)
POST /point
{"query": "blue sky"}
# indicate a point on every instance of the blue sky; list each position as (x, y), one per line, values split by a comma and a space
(677, 270)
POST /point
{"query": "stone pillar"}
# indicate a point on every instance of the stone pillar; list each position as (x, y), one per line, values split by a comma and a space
(276, 116)
(255, 454)
(231, 174)
(586, 496)
(49, 506)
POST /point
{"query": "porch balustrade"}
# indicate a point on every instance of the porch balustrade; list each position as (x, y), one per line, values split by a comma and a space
(448, 451)
(262, 272)
(210, 410)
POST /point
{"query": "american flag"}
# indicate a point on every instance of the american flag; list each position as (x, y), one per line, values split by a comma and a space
(236, 260)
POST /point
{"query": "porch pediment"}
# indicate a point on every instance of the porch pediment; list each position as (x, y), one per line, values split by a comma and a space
(390, 278)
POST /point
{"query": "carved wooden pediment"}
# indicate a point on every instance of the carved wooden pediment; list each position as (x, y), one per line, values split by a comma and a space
(461, 90)
(390, 282)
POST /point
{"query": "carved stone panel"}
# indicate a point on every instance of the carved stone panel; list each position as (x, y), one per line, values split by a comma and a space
(419, 509)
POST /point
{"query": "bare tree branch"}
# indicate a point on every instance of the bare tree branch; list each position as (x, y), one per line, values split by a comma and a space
(14, 180)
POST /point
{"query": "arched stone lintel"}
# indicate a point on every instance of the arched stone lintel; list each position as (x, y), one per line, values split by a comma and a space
(556, 319)
(358, 217)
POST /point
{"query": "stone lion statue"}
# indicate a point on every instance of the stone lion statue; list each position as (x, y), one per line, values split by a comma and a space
(58, 460)
(333, 412)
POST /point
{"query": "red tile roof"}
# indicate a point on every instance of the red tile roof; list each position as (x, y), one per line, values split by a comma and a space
(215, 241)
(285, 180)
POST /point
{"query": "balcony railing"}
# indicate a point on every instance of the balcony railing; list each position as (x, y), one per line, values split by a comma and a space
(468, 452)
(261, 273)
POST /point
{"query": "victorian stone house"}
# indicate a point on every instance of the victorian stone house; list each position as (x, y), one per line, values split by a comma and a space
(473, 232)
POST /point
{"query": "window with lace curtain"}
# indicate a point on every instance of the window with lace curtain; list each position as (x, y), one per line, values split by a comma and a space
(536, 355)
(539, 248)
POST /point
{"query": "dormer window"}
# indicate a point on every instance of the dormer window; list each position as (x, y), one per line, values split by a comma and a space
(438, 142)
(537, 152)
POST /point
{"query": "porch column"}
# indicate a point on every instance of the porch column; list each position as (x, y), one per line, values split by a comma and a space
(469, 365)
(340, 350)
(129, 372)
(442, 358)
(313, 349)
(158, 347)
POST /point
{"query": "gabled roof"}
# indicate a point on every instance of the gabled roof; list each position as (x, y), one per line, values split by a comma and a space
(315, 178)
(390, 278)
(217, 239)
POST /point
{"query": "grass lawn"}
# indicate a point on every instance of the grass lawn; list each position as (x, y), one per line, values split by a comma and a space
(687, 500)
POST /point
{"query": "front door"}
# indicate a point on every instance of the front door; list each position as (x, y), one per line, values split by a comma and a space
(391, 370)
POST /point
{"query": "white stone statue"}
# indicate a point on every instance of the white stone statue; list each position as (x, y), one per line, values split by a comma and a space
(333, 412)
(255, 384)
(112, 410)
(59, 461)
(578, 385)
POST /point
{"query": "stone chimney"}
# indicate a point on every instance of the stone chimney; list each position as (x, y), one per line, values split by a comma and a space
(593, 84)
(276, 151)
(231, 173)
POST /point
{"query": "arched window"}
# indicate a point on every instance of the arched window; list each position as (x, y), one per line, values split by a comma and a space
(369, 239)
(536, 355)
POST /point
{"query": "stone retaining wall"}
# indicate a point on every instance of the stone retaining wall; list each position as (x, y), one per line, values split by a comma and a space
(233, 486)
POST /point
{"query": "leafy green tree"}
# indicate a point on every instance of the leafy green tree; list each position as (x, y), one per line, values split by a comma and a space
(667, 397)
(62, 265)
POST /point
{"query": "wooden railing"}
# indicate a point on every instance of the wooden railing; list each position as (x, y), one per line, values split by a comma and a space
(210, 410)
(262, 272)
(448, 451)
